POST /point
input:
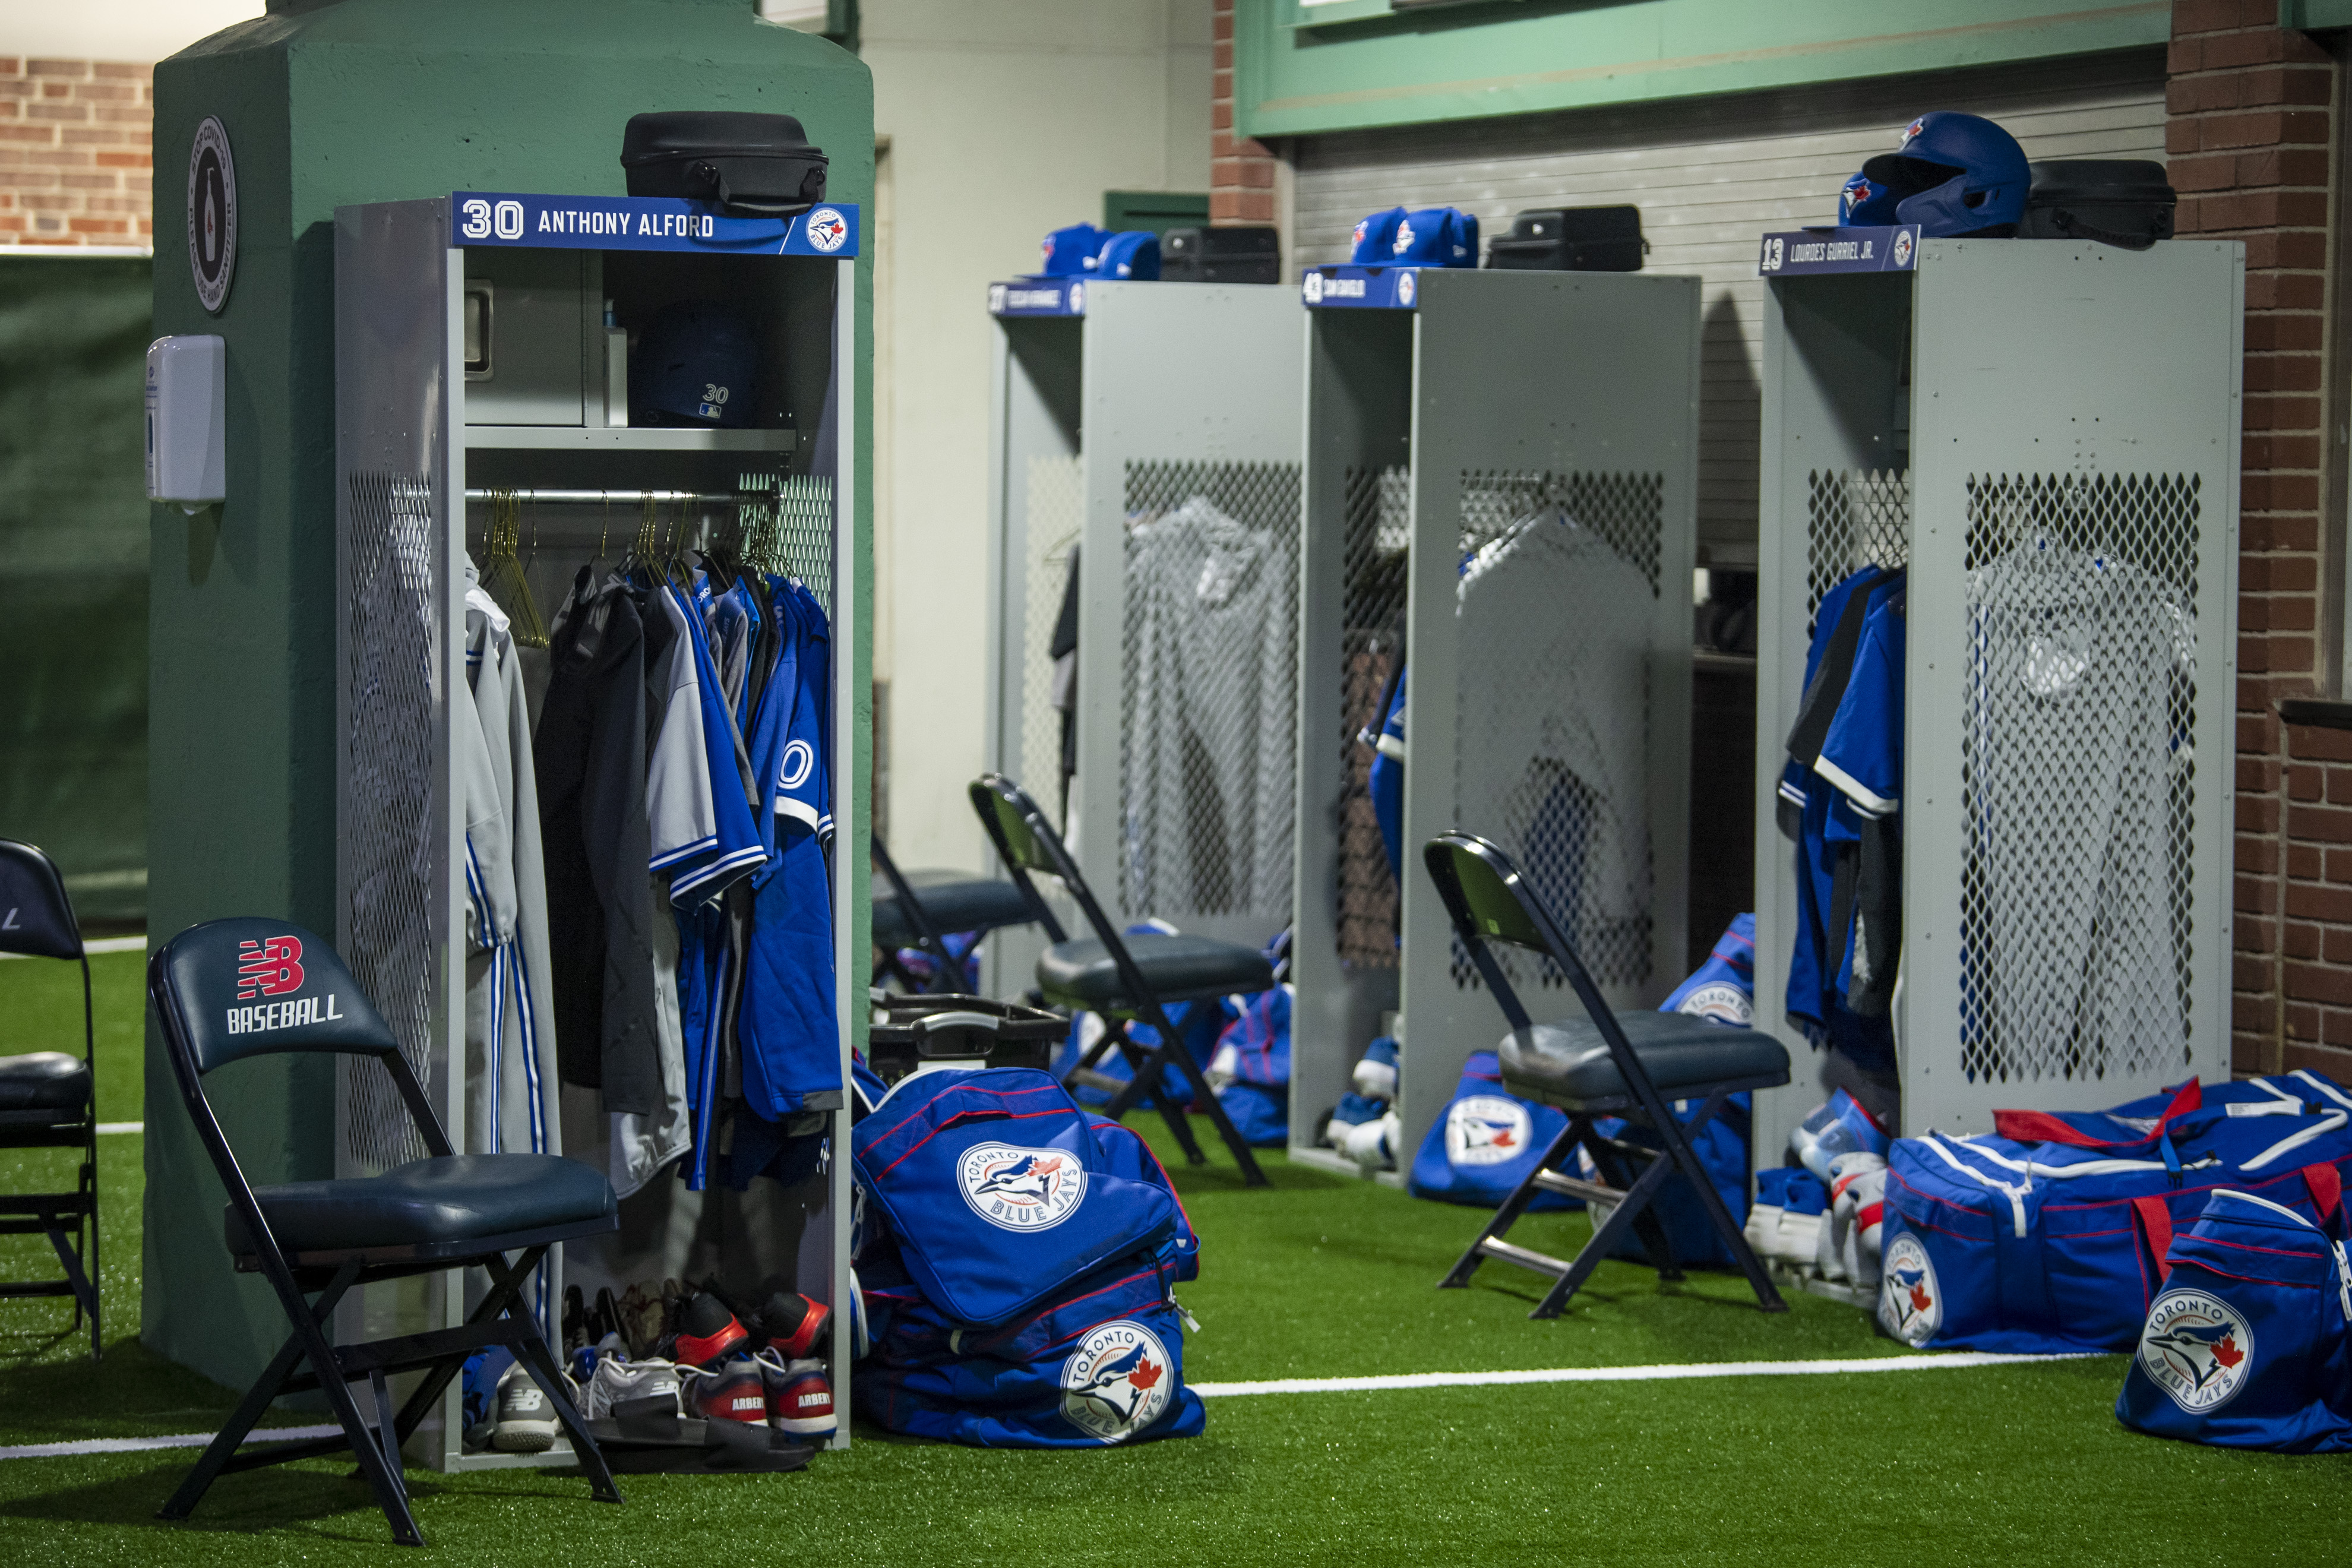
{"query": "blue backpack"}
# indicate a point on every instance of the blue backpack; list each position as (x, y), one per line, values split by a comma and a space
(1993, 1243)
(999, 1191)
(1257, 1100)
(2247, 1344)
(1488, 1139)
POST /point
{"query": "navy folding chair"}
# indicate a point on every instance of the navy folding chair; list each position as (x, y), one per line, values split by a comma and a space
(921, 907)
(1130, 978)
(48, 1099)
(1624, 1065)
(236, 988)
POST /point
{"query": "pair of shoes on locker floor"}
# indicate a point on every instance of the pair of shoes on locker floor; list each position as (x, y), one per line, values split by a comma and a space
(1831, 1228)
(1784, 1223)
(723, 1369)
(1364, 1125)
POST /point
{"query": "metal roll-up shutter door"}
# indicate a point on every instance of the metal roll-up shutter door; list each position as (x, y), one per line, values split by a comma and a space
(1710, 175)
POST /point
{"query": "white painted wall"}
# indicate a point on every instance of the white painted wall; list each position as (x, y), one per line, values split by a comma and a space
(1006, 118)
(135, 31)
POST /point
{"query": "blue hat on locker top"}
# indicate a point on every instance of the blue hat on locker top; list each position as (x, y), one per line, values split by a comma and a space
(1130, 254)
(1955, 175)
(1375, 241)
(1436, 237)
(1863, 203)
(697, 364)
(1070, 252)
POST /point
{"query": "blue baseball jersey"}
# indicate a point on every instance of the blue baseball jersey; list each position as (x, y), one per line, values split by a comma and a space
(790, 1035)
(1386, 785)
(1864, 753)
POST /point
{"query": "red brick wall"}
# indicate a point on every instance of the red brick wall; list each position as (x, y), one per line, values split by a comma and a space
(1241, 173)
(74, 152)
(2251, 110)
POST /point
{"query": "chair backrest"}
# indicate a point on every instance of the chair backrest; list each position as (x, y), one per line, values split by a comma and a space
(246, 987)
(1025, 841)
(35, 916)
(1488, 900)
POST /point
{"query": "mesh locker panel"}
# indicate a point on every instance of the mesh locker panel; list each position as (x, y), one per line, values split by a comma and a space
(1556, 614)
(1375, 561)
(2078, 777)
(792, 533)
(1856, 518)
(389, 828)
(1209, 698)
(1056, 518)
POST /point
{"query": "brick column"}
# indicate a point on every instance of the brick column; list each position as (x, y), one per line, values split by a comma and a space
(1241, 173)
(2248, 133)
(74, 152)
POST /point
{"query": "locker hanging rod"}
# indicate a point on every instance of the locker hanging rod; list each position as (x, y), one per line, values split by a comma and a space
(617, 497)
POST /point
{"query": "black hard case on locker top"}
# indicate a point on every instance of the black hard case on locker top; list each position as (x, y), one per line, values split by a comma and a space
(1237, 255)
(2117, 201)
(1571, 239)
(758, 165)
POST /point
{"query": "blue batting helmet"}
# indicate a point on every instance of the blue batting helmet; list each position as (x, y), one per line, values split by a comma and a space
(1955, 175)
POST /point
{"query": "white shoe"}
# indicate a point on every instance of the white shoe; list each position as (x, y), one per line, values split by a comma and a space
(526, 1415)
(1373, 1144)
(619, 1381)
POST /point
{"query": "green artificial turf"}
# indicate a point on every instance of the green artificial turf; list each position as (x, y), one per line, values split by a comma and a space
(1320, 1277)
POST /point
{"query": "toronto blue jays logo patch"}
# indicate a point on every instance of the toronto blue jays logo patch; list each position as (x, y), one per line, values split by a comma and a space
(1020, 1189)
(1910, 1302)
(1117, 1382)
(2197, 1348)
(1486, 1130)
(827, 229)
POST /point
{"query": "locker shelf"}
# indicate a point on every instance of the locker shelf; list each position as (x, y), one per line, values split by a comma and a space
(596, 438)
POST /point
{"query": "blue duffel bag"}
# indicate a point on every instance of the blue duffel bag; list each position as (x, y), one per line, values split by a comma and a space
(1117, 1380)
(2246, 1345)
(1991, 1243)
(1484, 1144)
(998, 1193)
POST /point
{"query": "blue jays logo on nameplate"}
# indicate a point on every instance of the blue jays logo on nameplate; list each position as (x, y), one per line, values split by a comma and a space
(1910, 1302)
(1486, 1130)
(2197, 1348)
(1020, 1189)
(1116, 1383)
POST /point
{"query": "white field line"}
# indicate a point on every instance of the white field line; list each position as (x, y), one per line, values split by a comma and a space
(176, 1440)
(103, 944)
(1618, 1374)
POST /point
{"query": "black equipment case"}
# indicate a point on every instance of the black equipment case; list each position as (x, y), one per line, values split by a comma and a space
(2116, 201)
(968, 1031)
(1571, 239)
(753, 165)
(1220, 255)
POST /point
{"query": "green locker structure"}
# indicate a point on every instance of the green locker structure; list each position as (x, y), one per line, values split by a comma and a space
(330, 109)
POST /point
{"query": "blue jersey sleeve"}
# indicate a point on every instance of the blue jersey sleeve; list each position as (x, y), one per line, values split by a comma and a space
(739, 851)
(803, 778)
(1862, 755)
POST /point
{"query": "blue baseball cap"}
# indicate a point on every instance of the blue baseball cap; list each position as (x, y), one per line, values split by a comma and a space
(696, 362)
(1071, 251)
(1132, 253)
(1436, 237)
(1376, 240)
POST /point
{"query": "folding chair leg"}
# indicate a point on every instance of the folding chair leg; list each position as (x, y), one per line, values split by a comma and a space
(382, 1478)
(1205, 1098)
(540, 1365)
(1500, 1222)
(1143, 1069)
(1621, 1172)
(226, 1442)
(1768, 1296)
(387, 1436)
(1638, 1198)
(85, 1293)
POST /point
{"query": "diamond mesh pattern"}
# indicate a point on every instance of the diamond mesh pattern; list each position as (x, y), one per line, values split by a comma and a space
(1857, 518)
(1208, 745)
(1375, 560)
(2078, 776)
(389, 828)
(1556, 616)
(1056, 518)
(792, 533)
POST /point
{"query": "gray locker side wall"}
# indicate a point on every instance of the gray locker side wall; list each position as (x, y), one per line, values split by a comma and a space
(1710, 175)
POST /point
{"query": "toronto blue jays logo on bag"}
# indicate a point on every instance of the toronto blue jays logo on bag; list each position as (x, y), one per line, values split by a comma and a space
(1486, 1130)
(1115, 1384)
(2197, 1348)
(1909, 1303)
(1020, 1189)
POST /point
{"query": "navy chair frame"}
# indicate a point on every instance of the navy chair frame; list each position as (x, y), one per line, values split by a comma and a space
(1025, 841)
(1488, 900)
(310, 1285)
(36, 920)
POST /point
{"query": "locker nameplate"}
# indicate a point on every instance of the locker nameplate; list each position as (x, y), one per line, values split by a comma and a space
(1806, 251)
(1360, 288)
(828, 230)
(1038, 297)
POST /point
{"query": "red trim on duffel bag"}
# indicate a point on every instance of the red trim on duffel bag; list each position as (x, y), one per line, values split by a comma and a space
(2042, 1127)
(2327, 1185)
(2156, 1223)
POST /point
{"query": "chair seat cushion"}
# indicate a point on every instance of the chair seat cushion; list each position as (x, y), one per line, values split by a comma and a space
(1178, 968)
(452, 1198)
(45, 1080)
(955, 901)
(1567, 1063)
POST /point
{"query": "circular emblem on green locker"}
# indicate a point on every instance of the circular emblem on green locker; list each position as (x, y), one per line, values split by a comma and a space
(212, 215)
